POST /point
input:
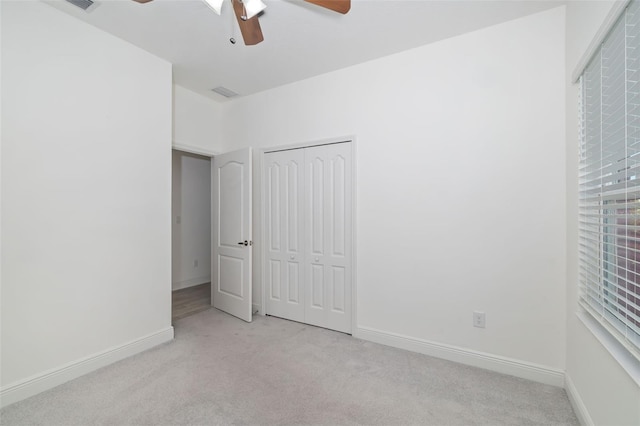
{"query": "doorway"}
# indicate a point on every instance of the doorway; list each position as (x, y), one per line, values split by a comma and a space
(190, 234)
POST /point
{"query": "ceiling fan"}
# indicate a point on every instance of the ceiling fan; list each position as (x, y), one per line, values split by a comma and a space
(247, 11)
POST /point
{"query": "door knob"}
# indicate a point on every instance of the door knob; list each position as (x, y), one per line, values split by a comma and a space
(292, 257)
(317, 259)
(244, 243)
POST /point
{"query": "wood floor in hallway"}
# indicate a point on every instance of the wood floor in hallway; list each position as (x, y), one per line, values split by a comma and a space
(189, 301)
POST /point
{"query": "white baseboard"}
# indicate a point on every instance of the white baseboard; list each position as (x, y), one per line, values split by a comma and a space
(577, 403)
(491, 362)
(34, 385)
(190, 283)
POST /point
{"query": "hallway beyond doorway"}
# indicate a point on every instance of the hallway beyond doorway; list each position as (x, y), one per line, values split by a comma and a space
(189, 301)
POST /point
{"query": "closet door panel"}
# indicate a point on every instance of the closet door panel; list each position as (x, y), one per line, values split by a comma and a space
(316, 282)
(316, 196)
(293, 280)
(338, 289)
(273, 206)
(283, 198)
(338, 206)
(275, 281)
(293, 195)
(328, 236)
(339, 236)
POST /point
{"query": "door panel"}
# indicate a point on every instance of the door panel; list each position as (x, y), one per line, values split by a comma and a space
(231, 225)
(293, 200)
(338, 213)
(329, 239)
(338, 289)
(317, 286)
(316, 196)
(274, 206)
(275, 279)
(283, 192)
(230, 180)
(294, 282)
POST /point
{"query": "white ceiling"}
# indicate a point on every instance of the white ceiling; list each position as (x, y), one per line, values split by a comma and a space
(301, 40)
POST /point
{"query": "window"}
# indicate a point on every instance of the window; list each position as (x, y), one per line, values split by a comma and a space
(610, 182)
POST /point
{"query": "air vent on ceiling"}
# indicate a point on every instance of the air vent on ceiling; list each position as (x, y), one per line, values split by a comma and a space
(82, 4)
(225, 92)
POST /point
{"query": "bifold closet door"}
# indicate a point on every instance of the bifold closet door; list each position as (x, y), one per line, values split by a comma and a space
(284, 185)
(328, 236)
(308, 235)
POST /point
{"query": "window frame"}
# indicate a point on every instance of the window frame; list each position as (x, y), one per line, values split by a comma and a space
(603, 323)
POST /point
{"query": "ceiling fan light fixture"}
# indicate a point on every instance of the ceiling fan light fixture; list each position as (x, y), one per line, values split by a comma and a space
(216, 5)
(253, 7)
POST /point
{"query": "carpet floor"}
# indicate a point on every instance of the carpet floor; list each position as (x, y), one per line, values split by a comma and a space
(222, 371)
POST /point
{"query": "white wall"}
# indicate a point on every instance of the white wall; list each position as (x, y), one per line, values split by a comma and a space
(460, 184)
(191, 212)
(605, 394)
(86, 181)
(196, 122)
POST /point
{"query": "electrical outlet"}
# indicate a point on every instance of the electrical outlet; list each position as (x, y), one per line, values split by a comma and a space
(479, 319)
(195, 263)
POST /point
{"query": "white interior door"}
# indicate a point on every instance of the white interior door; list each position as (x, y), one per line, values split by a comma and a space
(328, 236)
(284, 250)
(231, 233)
(308, 235)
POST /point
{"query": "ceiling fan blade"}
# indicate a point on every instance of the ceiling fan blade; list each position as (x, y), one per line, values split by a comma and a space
(142, 1)
(340, 6)
(250, 29)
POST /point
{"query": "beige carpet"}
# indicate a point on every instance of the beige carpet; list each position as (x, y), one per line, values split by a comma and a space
(222, 371)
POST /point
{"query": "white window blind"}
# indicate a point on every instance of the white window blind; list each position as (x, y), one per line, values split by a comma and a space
(610, 182)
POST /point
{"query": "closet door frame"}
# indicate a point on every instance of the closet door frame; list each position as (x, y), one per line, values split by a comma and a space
(351, 140)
